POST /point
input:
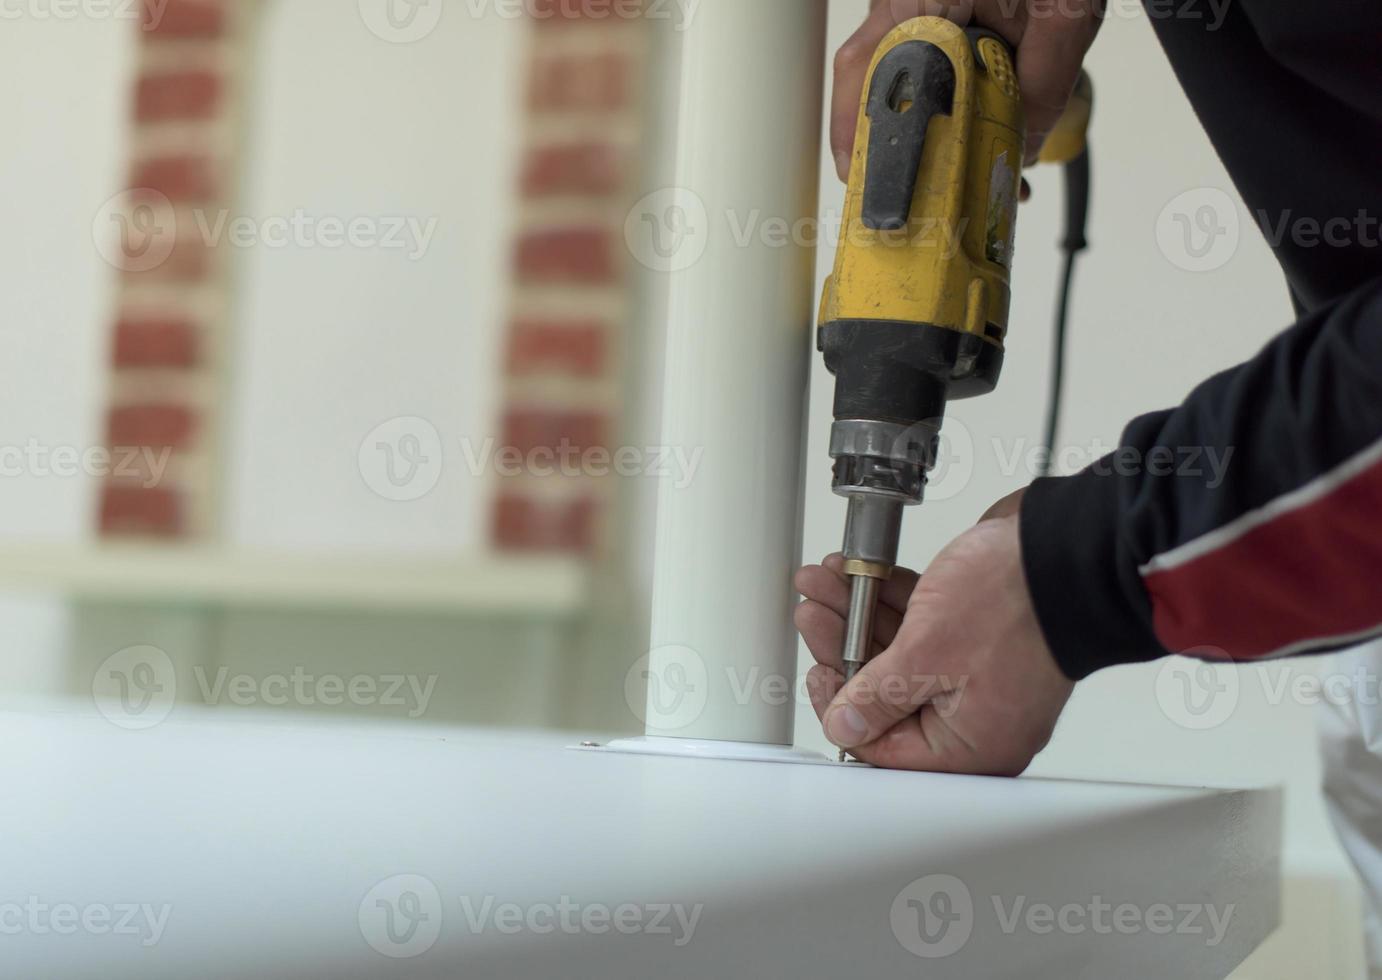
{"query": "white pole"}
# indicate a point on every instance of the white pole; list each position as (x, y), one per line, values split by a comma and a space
(740, 304)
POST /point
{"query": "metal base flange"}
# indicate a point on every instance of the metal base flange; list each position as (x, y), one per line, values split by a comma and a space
(706, 748)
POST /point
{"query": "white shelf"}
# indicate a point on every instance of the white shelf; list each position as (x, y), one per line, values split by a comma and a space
(310, 817)
(214, 577)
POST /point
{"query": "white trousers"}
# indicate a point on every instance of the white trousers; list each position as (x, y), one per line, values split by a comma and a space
(1351, 748)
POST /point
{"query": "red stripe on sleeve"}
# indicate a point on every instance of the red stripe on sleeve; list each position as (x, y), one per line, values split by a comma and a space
(1309, 577)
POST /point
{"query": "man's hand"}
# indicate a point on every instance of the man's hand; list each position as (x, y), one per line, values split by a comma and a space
(964, 682)
(1051, 40)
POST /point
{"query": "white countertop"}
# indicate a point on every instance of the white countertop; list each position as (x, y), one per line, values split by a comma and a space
(212, 846)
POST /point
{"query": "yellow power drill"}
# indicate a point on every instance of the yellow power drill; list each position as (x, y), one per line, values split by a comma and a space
(916, 310)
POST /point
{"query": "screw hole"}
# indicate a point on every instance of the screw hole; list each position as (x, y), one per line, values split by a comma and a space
(904, 93)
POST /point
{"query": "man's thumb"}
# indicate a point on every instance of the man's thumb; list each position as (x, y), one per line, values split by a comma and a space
(886, 691)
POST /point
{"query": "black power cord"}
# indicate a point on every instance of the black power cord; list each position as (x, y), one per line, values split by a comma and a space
(1076, 224)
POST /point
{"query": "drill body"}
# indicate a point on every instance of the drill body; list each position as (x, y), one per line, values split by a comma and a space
(916, 310)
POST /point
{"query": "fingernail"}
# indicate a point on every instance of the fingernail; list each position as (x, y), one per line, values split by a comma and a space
(842, 165)
(845, 727)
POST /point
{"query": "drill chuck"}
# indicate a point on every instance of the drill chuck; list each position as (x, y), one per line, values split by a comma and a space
(880, 467)
(882, 457)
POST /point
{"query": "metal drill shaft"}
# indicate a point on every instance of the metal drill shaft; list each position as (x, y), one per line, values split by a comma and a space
(863, 601)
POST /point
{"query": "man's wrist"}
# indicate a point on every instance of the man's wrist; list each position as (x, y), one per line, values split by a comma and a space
(1092, 611)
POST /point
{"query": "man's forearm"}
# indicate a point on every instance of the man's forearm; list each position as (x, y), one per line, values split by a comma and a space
(1241, 525)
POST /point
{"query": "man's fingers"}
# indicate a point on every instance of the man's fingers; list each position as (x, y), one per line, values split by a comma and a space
(852, 65)
(926, 742)
(831, 589)
(889, 688)
(822, 684)
(824, 632)
(921, 742)
(895, 592)
(1007, 507)
(1048, 63)
(823, 629)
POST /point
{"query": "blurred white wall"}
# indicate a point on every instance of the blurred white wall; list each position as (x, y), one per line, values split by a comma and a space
(64, 125)
(419, 142)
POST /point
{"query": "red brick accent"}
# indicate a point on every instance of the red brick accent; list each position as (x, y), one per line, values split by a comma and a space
(140, 510)
(529, 429)
(155, 343)
(183, 18)
(157, 426)
(594, 70)
(578, 348)
(524, 524)
(580, 83)
(177, 95)
(208, 36)
(589, 169)
(189, 261)
(562, 11)
(571, 255)
(179, 178)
